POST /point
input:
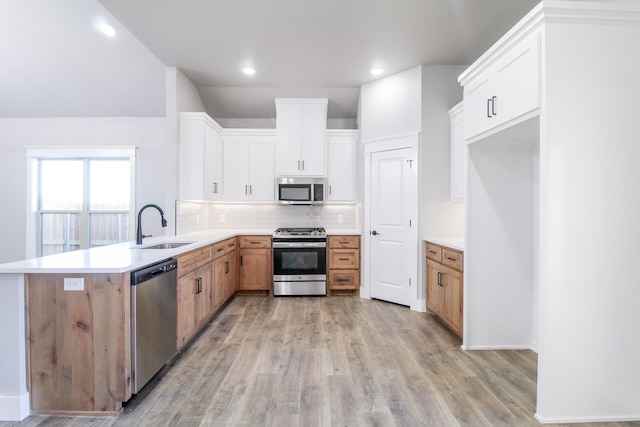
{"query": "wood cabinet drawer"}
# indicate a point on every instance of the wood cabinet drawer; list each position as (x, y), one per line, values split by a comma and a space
(344, 279)
(219, 249)
(434, 252)
(255, 242)
(194, 259)
(231, 244)
(344, 242)
(452, 259)
(344, 258)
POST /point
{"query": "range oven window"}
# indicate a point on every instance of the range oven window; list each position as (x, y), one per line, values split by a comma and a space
(295, 261)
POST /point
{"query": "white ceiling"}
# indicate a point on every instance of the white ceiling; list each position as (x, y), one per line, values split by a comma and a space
(321, 48)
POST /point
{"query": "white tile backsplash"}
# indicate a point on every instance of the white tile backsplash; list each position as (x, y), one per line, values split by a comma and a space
(195, 216)
(191, 217)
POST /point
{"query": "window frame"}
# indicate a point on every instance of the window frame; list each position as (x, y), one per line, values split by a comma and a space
(86, 154)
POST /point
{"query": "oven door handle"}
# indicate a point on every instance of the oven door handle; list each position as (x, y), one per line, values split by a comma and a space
(299, 245)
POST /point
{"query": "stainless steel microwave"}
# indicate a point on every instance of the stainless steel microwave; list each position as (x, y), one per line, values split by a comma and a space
(300, 191)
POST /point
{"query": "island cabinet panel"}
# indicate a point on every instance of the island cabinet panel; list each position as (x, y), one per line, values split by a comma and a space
(79, 344)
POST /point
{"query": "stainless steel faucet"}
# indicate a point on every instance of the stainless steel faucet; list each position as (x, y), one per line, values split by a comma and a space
(139, 234)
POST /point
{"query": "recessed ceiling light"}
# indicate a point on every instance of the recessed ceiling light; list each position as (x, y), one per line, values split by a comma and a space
(249, 71)
(377, 71)
(107, 30)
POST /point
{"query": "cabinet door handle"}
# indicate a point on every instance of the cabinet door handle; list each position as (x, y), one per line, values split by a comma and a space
(489, 107)
(215, 188)
(493, 105)
(250, 189)
(329, 190)
(246, 188)
(240, 259)
(226, 267)
(198, 285)
(298, 164)
(439, 279)
(303, 165)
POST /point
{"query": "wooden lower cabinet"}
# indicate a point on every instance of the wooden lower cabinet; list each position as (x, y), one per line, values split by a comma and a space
(195, 302)
(79, 344)
(445, 285)
(195, 292)
(225, 271)
(256, 264)
(343, 262)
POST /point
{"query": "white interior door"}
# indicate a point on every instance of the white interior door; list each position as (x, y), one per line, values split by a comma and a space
(393, 205)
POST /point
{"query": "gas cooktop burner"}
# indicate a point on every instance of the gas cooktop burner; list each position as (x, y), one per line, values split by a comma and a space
(303, 232)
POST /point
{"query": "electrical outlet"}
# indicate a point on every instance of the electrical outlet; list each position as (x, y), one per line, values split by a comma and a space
(223, 218)
(74, 284)
(340, 219)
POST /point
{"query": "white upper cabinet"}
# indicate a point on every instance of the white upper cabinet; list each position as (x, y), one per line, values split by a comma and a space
(301, 125)
(249, 167)
(200, 157)
(341, 166)
(458, 159)
(504, 90)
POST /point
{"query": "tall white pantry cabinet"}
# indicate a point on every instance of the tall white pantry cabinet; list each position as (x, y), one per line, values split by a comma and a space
(552, 206)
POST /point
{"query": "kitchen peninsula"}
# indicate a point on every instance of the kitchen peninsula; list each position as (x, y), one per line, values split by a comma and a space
(78, 335)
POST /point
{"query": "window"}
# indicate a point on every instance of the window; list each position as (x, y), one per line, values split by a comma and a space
(82, 202)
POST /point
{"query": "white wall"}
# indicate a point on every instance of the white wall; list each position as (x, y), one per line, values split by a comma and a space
(589, 332)
(391, 106)
(499, 266)
(439, 216)
(187, 97)
(59, 64)
(148, 134)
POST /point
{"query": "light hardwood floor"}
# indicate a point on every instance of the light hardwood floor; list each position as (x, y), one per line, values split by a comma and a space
(340, 361)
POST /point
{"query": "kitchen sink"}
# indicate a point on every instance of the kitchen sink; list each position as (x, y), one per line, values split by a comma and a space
(165, 245)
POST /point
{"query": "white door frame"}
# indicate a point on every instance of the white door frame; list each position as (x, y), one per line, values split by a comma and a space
(409, 140)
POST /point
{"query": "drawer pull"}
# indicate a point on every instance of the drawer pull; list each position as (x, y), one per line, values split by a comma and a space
(255, 243)
(220, 250)
(433, 252)
(344, 243)
(342, 280)
(343, 259)
(451, 259)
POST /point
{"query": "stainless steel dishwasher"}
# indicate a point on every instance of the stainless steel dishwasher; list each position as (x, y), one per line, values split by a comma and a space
(153, 319)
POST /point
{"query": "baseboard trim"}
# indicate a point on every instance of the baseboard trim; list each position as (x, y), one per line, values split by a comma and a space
(14, 408)
(497, 347)
(563, 420)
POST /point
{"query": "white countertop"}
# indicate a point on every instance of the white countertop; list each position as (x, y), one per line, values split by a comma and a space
(450, 242)
(128, 256)
(123, 257)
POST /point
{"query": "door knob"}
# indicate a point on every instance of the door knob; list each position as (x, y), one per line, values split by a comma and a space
(375, 233)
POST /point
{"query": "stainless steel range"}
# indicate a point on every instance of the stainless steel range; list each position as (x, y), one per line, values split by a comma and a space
(299, 261)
